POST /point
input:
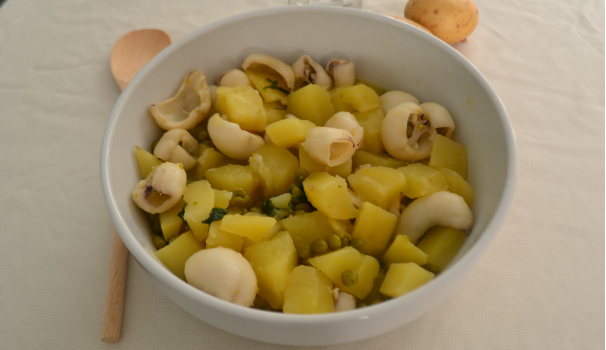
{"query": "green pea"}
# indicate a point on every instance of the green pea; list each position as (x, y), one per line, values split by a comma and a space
(349, 278)
(304, 252)
(345, 242)
(301, 175)
(334, 242)
(319, 246)
(359, 245)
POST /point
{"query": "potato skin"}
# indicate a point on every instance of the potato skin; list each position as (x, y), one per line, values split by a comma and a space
(411, 22)
(450, 20)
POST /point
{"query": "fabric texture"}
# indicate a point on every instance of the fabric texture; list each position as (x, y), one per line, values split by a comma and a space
(539, 286)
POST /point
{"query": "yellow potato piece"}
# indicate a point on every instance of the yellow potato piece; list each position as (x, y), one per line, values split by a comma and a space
(448, 154)
(289, 132)
(402, 278)
(231, 176)
(275, 166)
(422, 180)
(242, 105)
(312, 103)
(274, 112)
(335, 263)
(200, 199)
(374, 226)
(402, 251)
(146, 161)
(170, 222)
(309, 291)
(371, 122)
(251, 227)
(441, 244)
(273, 261)
(329, 195)
(305, 228)
(174, 255)
(361, 97)
(458, 185)
(222, 198)
(218, 237)
(378, 185)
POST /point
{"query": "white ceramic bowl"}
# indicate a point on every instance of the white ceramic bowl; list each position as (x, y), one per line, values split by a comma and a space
(385, 51)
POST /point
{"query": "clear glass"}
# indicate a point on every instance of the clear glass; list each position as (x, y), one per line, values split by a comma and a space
(356, 4)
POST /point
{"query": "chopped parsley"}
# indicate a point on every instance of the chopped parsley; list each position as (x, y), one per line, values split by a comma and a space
(181, 213)
(274, 85)
(216, 214)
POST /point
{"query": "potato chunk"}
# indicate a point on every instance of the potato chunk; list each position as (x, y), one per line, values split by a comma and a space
(448, 154)
(374, 226)
(146, 161)
(170, 222)
(305, 228)
(372, 159)
(251, 227)
(218, 237)
(308, 291)
(276, 167)
(441, 244)
(378, 185)
(307, 163)
(422, 180)
(273, 261)
(274, 112)
(222, 198)
(242, 105)
(335, 263)
(329, 195)
(199, 198)
(289, 132)
(403, 278)
(312, 103)
(402, 251)
(174, 255)
(371, 122)
(458, 185)
(360, 97)
(229, 177)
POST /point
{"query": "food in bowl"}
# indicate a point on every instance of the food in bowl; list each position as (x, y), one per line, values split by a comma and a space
(300, 189)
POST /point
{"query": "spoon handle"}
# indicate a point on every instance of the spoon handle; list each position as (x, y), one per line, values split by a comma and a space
(114, 297)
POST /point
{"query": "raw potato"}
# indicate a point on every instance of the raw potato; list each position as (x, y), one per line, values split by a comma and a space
(450, 20)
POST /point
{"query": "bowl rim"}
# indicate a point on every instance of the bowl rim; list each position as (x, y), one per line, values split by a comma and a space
(458, 268)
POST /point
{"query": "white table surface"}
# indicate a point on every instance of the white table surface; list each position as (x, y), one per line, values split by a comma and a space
(539, 286)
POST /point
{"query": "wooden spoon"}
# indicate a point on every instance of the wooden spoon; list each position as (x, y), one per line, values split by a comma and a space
(130, 54)
(134, 50)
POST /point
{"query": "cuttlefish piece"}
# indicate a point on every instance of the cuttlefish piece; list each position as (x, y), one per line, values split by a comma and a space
(188, 107)
(281, 68)
(341, 71)
(309, 71)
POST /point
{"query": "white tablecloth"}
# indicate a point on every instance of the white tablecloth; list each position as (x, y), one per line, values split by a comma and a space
(539, 286)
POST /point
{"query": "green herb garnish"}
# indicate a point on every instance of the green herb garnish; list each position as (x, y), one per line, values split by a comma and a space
(216, 214)
(274, 85)
(181, 213)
